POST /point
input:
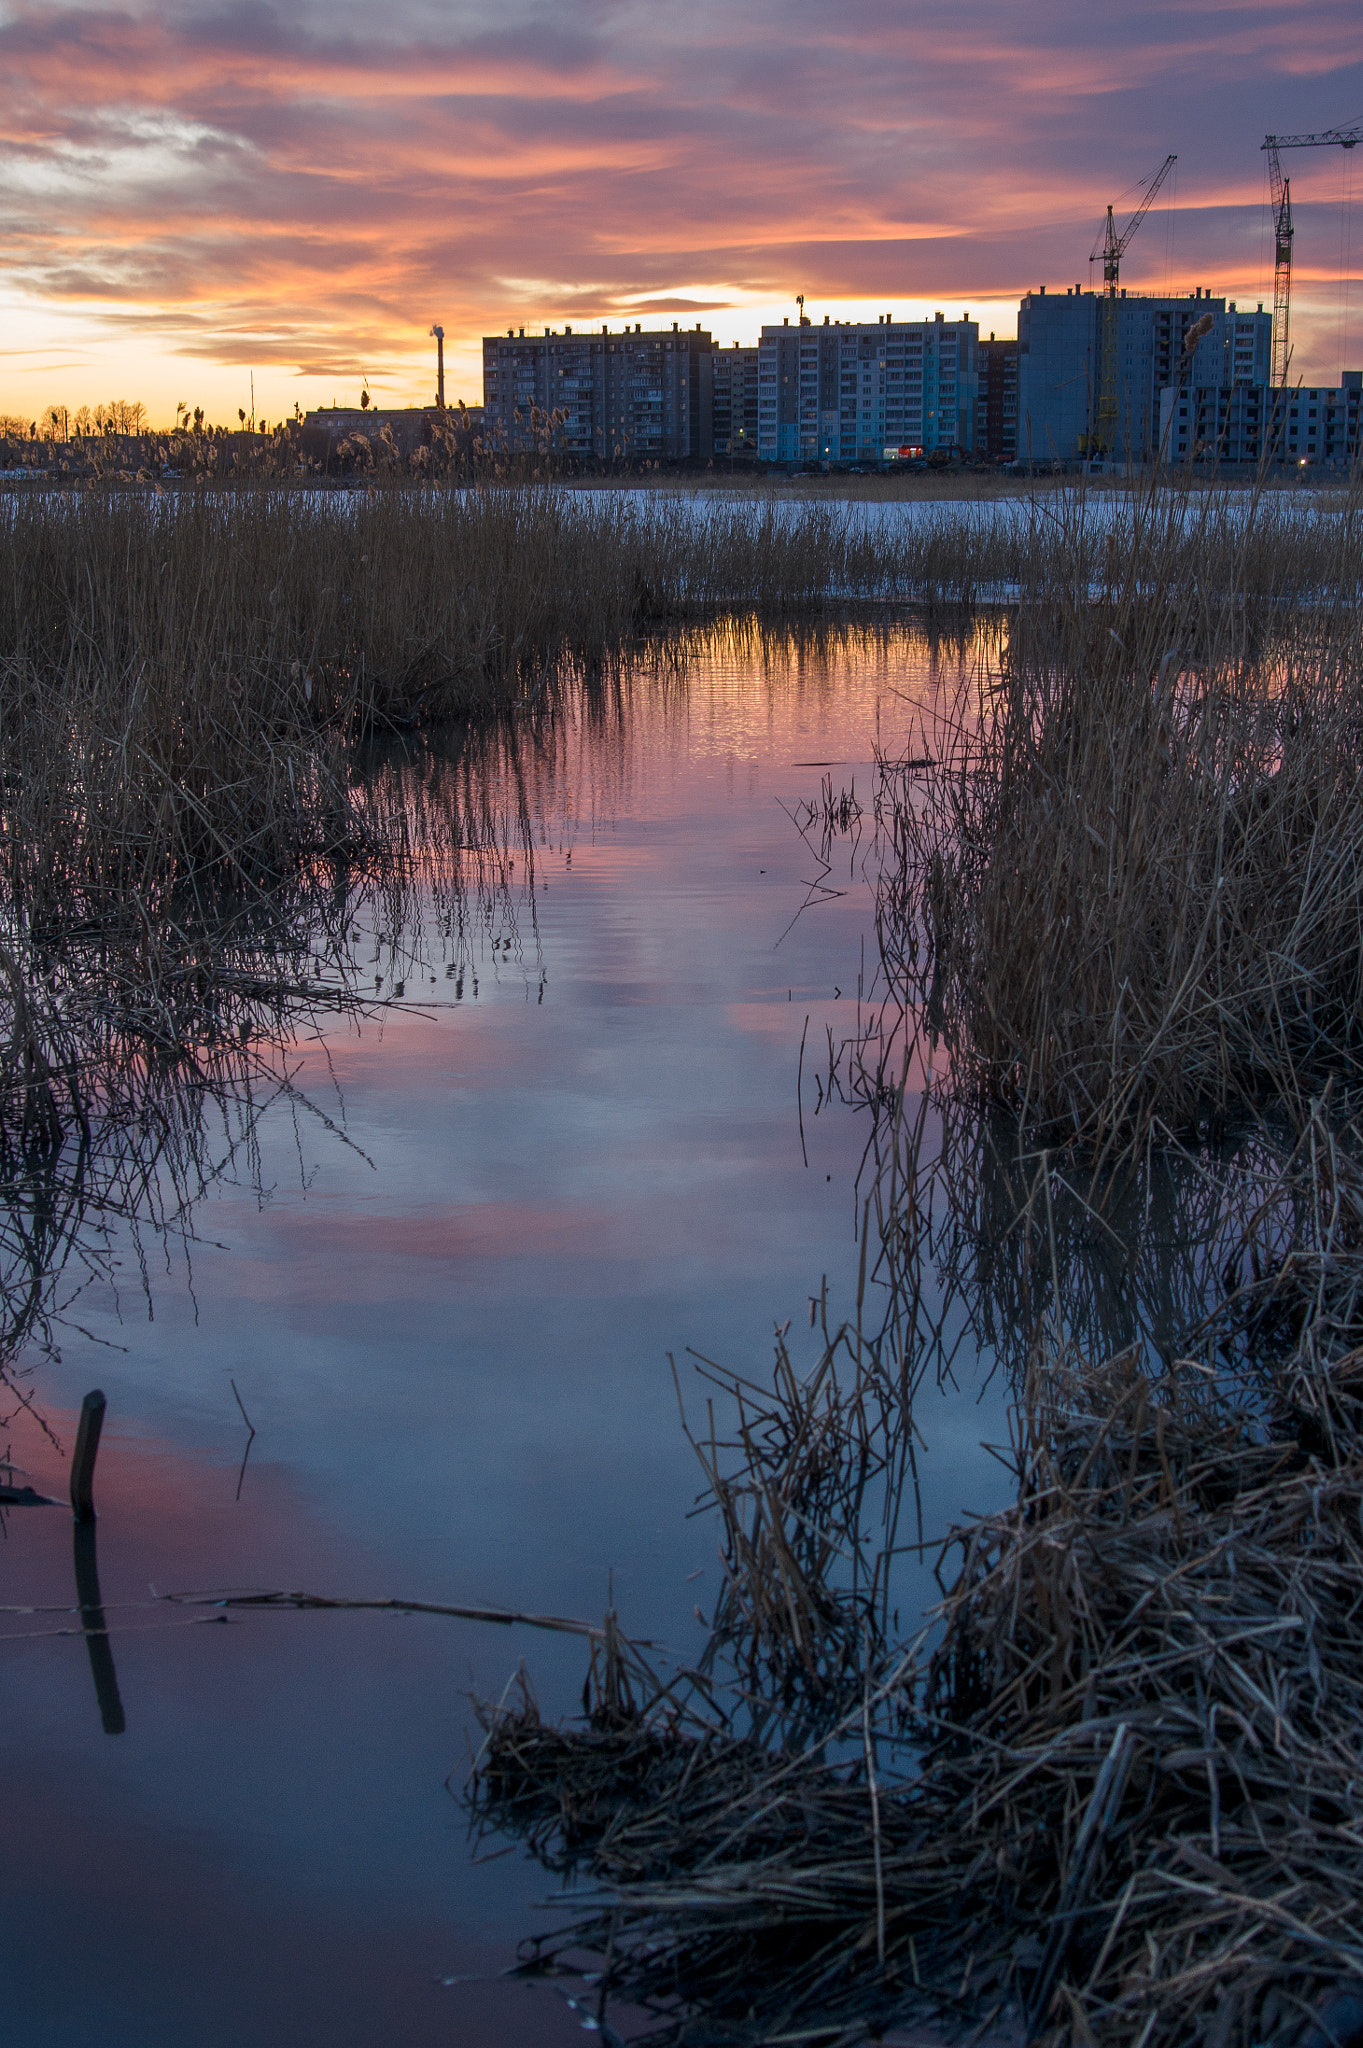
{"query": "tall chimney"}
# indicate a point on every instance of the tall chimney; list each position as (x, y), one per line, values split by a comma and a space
(439, 334)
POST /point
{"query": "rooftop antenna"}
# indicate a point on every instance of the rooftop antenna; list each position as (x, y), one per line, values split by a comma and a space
(800, 302)
(439, 333)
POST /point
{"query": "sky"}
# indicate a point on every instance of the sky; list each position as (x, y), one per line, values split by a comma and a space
(195, 195)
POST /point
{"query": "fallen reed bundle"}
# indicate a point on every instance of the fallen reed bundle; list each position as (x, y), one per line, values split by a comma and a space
(1140, 1811)
(1114, 1792)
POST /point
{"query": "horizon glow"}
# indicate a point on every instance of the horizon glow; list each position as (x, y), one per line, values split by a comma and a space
(201, 193)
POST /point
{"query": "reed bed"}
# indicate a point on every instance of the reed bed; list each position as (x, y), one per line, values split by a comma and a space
(1125, 875)
(1110, 1793)
(395, 606)
(406, 603)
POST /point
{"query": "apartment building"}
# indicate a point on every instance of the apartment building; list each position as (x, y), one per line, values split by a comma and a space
(996, 409)
(734, 374)
(623, 396)
(1309, 426)
(853, 392)
(1060, 338)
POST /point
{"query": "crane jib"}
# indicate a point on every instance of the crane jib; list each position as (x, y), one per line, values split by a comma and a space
(1112, 247)
(1281, 189)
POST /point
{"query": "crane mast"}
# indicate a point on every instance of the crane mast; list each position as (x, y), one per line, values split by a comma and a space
(1112, 247)
(1281, 190)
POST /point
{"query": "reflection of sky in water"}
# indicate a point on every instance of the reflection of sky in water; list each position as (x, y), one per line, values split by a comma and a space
(451, 1338)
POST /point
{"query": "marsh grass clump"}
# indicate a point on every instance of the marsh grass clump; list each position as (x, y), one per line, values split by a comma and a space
(1126, 876)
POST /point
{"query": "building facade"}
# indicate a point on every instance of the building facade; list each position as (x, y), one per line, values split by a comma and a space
(996, 411)
(855, 392)
(1309, 426)
(1060, 337)
(625, 396)
(734, 375)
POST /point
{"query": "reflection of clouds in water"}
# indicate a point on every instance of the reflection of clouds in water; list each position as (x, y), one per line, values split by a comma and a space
(451, 1330)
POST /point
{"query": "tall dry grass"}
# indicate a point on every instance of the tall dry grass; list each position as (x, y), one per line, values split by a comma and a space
(397, 605)
(409, 603)
(1126, 875)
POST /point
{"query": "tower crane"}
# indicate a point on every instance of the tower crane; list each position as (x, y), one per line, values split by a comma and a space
(1281, 188)
(1112, 247)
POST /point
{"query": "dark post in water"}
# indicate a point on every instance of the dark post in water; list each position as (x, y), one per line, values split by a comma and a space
(87, 1564)
(83, 1461)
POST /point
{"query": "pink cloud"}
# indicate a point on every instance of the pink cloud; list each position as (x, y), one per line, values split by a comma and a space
(304, 189)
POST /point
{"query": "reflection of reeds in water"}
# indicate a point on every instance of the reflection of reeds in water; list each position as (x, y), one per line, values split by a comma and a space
(145, 1030)
(195, 875)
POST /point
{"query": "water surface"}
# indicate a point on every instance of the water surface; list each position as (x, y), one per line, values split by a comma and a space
(442, 1279)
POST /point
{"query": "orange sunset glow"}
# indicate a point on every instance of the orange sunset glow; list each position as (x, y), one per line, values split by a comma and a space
(196, 194)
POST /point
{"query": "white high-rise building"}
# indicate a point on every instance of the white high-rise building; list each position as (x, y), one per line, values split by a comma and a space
(851, 391)
(1307, 426)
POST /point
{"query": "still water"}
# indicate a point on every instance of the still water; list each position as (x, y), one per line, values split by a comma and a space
(442, 1278)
